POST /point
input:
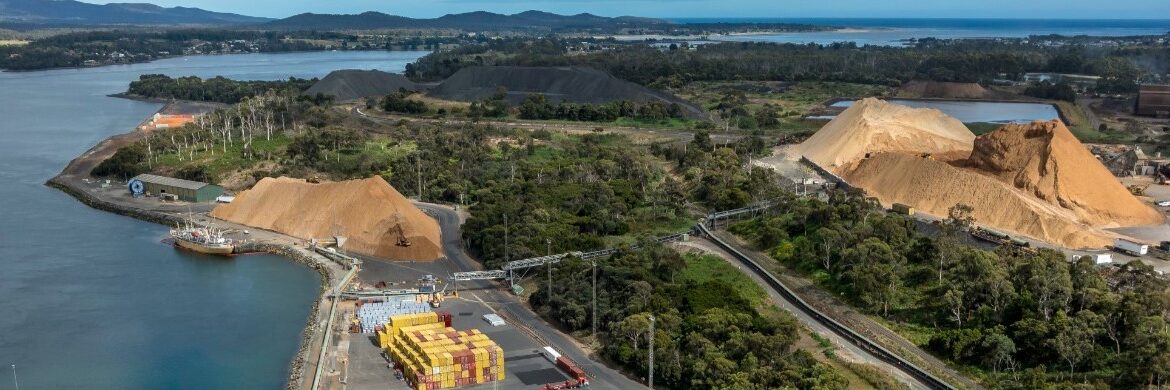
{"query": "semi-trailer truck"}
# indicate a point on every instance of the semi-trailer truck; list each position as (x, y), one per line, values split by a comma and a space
(1130, 247)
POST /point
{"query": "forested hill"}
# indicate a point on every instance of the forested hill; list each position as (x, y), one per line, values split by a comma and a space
(70, 12)
(529, 20)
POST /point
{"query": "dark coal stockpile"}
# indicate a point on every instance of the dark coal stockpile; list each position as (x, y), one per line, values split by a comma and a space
(349, 84)
(571, 84)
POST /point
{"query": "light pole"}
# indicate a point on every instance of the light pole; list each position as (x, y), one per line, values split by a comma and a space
(651, 380)
(547, 252)
(14, 381)
(594, 263)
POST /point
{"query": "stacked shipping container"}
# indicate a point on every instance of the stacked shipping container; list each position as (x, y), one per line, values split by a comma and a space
(371, 313)
(435, 356)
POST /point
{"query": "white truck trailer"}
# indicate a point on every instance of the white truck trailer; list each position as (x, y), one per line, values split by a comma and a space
(1130, 247)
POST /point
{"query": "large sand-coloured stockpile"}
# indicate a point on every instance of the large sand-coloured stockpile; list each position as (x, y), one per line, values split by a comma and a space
(1033, 179)
(1048, 161)
(873, 125)
(934, 186)
(370, 213)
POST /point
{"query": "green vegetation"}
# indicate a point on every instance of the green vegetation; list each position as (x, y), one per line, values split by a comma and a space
(963, 60)
(399, 102)
(773, 106)
(980, 128)
(538, 107)
(1046, 90)
(131, 46)
(791, 99)
(495, 106)
(1017, 319)
(250, 138)
(708, 334)
(702, 269)
(215, 89)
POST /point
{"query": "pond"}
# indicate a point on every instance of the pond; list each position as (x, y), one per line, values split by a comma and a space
(976, 112)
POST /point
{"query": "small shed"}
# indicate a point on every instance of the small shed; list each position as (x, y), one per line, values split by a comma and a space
(187, 190)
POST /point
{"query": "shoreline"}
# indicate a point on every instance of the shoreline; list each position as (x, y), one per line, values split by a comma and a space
(324, 267)
(185, 55)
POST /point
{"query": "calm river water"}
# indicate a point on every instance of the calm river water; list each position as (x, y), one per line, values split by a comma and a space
(973, 112)
(93, 300)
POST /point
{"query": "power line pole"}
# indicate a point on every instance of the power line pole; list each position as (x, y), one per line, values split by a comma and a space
(594, 262)
(505, 237)
(547, 252)
(651, 379)
(418, 167)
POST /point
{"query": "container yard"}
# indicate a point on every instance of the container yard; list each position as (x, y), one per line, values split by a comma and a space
(431, 355)
(373, 314)
(525, 367)
(372, 367)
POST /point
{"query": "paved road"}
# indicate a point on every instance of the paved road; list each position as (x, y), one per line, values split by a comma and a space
(511, 306)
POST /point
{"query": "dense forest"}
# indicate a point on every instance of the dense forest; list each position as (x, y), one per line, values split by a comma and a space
(1017, 318)
(215, 89)
(964, 60)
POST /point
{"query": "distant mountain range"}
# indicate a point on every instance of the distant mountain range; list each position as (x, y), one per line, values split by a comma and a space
(76, 13)
(467, 21)
(70, 12)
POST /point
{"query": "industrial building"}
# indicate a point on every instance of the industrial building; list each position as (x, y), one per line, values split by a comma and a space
(1153, 100)
(168, 121)
(186, 190)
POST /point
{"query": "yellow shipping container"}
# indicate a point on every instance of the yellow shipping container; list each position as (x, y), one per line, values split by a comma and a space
(430, 349)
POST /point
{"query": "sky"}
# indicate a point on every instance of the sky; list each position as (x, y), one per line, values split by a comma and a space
(1025, 9)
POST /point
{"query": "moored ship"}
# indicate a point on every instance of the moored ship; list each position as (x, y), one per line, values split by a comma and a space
(207, 240)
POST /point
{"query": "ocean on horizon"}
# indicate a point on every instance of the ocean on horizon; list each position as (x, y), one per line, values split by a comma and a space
(893, 32)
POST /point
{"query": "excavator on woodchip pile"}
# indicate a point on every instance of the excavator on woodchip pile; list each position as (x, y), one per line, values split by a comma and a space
(402, 240)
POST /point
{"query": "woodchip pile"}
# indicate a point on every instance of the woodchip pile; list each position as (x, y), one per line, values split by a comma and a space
(375, 218)
(1034, 179)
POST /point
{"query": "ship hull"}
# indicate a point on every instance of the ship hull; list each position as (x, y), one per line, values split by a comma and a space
(208, 249)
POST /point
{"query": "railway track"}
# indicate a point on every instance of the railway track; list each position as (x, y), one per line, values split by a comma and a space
(926, 378)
